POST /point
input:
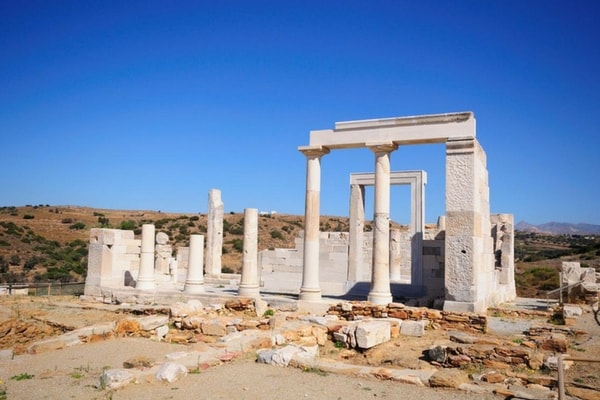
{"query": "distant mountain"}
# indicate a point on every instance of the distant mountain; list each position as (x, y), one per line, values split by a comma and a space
(559, 228)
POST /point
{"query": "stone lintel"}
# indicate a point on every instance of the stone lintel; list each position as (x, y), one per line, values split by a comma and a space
(402, 130)
(428, 119)
(396, 178)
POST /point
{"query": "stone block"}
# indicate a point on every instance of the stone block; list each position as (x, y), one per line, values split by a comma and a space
(372, 333)
(152, 322)
(214, 327)
(171, 371)
(114, 379)
(413, 328)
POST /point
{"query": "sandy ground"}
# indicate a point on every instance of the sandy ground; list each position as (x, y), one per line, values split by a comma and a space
(73, 373)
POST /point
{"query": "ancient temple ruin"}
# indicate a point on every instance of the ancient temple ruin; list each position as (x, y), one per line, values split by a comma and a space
(471, 280)
(465, 261)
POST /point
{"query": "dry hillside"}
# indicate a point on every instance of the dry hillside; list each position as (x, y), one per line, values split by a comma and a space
(46, 243)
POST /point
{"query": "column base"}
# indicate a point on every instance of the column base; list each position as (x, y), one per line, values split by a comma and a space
(310, 294)
(145, 284)
(193, 287)
(249, 290)
(380, 298)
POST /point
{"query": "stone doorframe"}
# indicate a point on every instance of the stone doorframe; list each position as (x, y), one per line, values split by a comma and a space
(467, 201)
(417, 181)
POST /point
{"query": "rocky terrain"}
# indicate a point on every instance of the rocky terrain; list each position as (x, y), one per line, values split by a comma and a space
(73, 348)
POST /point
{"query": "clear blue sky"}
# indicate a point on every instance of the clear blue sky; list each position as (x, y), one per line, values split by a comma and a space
(149, 105)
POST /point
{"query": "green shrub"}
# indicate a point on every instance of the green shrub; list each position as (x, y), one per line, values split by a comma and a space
(15, 259)
(31, 263)
(275, 234)
(128, 225)
(28, 216)
(238, 245)
(67, 220)
(77, 226)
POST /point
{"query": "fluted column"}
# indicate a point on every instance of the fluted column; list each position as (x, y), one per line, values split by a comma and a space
(249, 284)
(194, 281)
(310, 289)
(380, 279)
(145, 279)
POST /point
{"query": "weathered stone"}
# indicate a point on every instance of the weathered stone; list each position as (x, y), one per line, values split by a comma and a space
(152, 322)
(555, 344)
(493, 377)
(571, 310)
(161, 331)
(400, 314)
(138, 362)
(581, 393)
(114, 378)
(437, 354)
(170, 372)
(162, 238)
(214, 327)
(552, 363)
(413, 328)
(193, 322)
(536, 361)
(320, 334)
(372, 333)
(452, 378)
(283, 356)
(459, 360)
(461, 337)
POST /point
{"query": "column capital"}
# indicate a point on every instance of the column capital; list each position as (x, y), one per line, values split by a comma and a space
(311, 151)
(381, 147)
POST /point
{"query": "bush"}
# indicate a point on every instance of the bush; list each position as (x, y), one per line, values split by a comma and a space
(31, 263)
(15, 259)
(28, 216)
(3, 265)
(77, 226)
(275, 234)
(128, 225)
(67, 220)
(238, 245)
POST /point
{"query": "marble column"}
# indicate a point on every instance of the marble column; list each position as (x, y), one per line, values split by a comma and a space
(356, 234)
(214, 233)
(310, 289)
(380, 279)
(194, 281)
(145, 280)
(249, 284)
